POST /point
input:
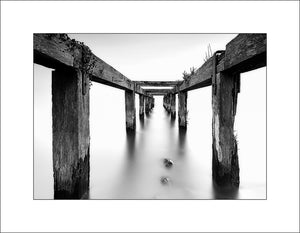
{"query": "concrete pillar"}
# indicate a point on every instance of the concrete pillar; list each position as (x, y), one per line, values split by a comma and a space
(71, 133)
(225, 167)
(182, 109)
(142, 106)
(130, 109)
(173, 105)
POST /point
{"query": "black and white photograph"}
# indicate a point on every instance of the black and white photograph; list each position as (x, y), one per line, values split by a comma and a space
(149, 116)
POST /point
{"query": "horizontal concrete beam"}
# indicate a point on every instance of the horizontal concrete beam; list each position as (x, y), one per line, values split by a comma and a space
(57, 50)
(157, 91)
(158, 83)
(244, 53)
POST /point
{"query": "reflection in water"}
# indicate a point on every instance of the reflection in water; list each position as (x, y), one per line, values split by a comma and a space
(130, 138)
(172, 120)
(126, 165)
(138, 173)
(182, 136)
(142, 121)
(133, 167)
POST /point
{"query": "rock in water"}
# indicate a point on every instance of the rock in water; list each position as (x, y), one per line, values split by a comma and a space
(164, 180)
(168, 162)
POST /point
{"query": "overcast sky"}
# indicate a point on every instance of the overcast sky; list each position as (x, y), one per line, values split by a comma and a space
(153, 56)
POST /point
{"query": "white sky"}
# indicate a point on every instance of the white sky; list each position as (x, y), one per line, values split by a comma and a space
(153, 56)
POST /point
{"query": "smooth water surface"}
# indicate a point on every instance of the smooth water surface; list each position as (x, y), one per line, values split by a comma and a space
(130, 166)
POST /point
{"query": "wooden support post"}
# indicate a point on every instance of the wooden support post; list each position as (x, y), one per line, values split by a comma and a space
(147, 104)
(152, 103)
(166, 102)
(225, 164)
(142, 106)
(169, 103)
(182, 109)
(130, 110)
(173, 105)
(71, 133)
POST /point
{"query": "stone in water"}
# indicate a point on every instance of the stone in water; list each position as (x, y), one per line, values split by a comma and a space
(168, 162)
(165, 180)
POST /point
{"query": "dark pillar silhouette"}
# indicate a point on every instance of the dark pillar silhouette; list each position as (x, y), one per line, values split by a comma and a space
(130, 110)
(182, 109)
(71, 133)
(147, 104)
(142, 106)
(173, 105)
(225, 88)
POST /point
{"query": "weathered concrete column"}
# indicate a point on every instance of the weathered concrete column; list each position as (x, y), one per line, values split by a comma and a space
(225, 167)
(71, 133)
(182, 109)
(130, 110)
(173, 105)
(142, 106)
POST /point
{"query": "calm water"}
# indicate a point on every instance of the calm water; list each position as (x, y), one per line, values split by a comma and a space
(130, 166)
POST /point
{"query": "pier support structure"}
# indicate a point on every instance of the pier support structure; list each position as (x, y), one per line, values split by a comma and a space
(225, 164)
(142, 106)
(151, 103)
(165, 102)
(75, 66)
(169, 103)
(182, 109)
(173, 105)
(130, 110)
(147, 104)
(71, 133)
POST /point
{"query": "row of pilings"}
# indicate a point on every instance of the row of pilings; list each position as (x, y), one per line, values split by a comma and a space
(70, 104)
(71, 165)
(145, 107)
(169, 103)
